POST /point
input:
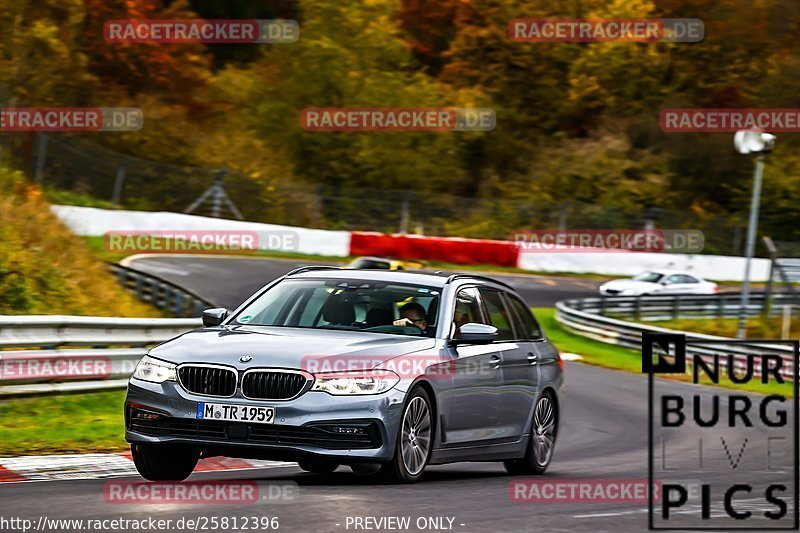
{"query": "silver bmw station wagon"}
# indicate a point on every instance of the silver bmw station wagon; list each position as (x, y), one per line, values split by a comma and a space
(383, 371)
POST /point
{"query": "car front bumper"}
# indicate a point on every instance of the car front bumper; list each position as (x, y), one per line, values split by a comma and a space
(315, 424)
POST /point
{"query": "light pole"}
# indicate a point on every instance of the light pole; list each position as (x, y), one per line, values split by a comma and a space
(760, 144)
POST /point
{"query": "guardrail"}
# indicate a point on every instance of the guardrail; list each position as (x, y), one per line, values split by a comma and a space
(590, 324)
(666, 307)
(160, 292)
(42, 354)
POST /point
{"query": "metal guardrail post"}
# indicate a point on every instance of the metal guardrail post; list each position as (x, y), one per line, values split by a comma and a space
(139, 281)
(637, 309)
(180, 300)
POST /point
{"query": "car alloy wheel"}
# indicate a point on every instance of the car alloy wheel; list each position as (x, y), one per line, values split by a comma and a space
(544, 431)
(415, 440)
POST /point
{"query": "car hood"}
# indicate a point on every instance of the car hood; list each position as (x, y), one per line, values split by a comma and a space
(281, 347)
(625, 284)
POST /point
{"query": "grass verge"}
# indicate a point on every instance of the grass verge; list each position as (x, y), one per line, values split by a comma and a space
(63, 423)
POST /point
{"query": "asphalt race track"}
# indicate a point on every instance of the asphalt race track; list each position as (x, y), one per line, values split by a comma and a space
(227, 281)
(603, 436)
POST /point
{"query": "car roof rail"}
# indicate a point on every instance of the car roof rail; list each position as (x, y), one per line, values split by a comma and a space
(309, 268)
(454, 277)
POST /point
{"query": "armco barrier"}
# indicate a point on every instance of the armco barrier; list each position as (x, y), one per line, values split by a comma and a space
(160, 292)
(666, 306)
(38, 352)
(629, 335)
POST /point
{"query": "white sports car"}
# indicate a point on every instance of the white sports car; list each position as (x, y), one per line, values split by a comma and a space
(659, 282)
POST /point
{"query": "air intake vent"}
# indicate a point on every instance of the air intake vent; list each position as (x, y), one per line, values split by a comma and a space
(272, 385)
(208, 380)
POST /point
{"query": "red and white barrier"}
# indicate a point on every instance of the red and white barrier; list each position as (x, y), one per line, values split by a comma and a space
(89, 221)
(446, 249)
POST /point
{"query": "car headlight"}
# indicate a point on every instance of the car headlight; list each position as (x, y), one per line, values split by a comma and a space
(154, 370)
(355, 383)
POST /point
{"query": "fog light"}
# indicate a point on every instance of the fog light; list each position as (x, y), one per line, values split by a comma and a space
(145, 415)
(350, 430)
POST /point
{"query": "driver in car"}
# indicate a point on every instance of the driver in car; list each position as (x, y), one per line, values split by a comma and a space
(412, 314)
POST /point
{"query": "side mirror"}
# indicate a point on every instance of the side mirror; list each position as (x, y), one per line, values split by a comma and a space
(214, 317)
(474, 333)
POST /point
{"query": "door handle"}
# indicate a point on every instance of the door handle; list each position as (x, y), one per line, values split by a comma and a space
(533, 358)
(495, 361)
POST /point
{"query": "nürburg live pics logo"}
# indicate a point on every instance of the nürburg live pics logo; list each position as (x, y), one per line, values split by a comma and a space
(724, 456)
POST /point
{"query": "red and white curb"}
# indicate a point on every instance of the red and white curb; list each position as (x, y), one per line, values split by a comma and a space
(103, 465)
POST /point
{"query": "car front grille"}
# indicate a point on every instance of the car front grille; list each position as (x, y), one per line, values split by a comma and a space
(208, 380)
(272, 385)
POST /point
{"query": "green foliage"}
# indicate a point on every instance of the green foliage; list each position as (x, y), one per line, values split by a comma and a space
(576, 121)
(44, 269)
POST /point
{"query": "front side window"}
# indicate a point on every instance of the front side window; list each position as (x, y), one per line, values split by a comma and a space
(353, 305)
(467, 310)
(498, 314)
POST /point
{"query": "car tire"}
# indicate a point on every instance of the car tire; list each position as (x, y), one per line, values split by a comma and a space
(414, 440)
(544, 429)
(162, 462)
(318, 467)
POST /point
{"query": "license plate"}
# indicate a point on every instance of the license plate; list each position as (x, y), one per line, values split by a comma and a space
(235, 413)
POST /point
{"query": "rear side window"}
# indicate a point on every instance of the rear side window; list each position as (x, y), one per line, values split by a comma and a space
(525, 322)
(498, 314)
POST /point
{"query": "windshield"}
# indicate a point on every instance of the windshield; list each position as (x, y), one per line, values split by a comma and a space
(350, 305)
(652, 277)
